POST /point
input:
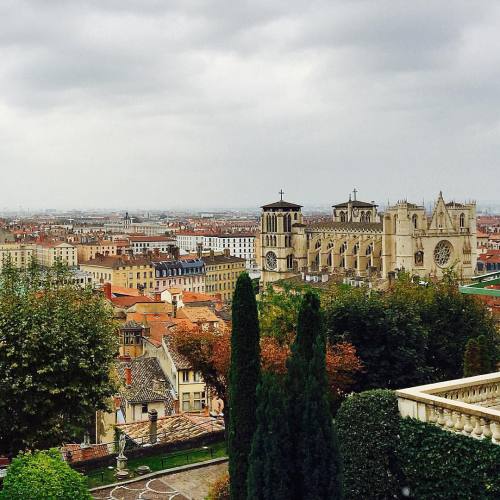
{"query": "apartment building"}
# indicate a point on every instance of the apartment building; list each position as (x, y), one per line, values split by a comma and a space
(88, 251)
(144, 244)
(48, 253)
(19, 254)
(221, 273)
(185, 274)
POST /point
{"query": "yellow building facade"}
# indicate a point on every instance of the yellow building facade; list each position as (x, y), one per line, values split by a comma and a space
(221, 273)
(19, 255)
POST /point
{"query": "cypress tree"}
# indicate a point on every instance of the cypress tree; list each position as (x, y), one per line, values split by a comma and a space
(472, 358)
(308, 325)
(486, 353)
(318, 447)
(314, 453)
(244, 373)
(269, 462)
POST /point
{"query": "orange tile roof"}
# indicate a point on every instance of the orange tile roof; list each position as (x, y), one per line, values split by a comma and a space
(189, 297)
(121, 290)
(129, 301)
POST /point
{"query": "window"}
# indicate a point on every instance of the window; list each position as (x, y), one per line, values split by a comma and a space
(144, 408)
(185, 401)
(414, 221)
(185, 375)
(197, 401)
(462, 220)
(197, 376)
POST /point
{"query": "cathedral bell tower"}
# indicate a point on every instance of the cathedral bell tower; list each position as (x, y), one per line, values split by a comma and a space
(278, 226)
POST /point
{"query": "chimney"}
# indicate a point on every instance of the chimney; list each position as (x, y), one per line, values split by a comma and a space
(157, 297)
(153, 426)
(174, 307)
(107, 290)
(128, 376)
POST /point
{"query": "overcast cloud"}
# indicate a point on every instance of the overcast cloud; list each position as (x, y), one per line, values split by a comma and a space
(158, 104)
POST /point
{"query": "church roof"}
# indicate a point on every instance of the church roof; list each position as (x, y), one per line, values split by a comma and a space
(356, 204)
(348, 226)
(281, 204)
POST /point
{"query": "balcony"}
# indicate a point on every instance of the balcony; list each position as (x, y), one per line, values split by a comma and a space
(468, 406)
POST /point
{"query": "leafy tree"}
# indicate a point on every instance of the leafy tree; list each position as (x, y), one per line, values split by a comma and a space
(269, 470)
(488, 355)
(43, 474)
(57, 346)
(244, 376)
(278, 312)
(387, 333)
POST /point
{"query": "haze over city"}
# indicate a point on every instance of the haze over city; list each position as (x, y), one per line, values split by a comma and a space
(147, 104)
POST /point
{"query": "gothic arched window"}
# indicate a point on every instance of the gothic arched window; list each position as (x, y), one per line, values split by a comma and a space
(267, 240)
(414, 221)
(419, 258)
(318, 245)
(462, 220)
(342, 216)
(362, 218)
(289, 262)
(368, 216)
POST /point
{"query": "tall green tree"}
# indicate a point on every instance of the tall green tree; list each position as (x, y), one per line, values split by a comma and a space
(314, 453)
(57, 346)
(269, 471)
(472, 359)
(319, 455)
(244, 374)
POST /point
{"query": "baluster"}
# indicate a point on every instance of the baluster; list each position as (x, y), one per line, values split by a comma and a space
(432, 418)
(459, 426)
(449, 420)
(496, 432)
(467, 425)
(486, 428)
(478, 431)
(440, 421)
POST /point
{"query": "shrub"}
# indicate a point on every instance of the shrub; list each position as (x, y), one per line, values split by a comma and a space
(368, 428)
(442, 465)
(43, 474)
(220, 489)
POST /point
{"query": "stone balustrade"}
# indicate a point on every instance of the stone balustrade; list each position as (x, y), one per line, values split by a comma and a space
(468, 406)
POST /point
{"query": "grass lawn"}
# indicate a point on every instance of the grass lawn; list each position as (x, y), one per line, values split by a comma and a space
(101, 477)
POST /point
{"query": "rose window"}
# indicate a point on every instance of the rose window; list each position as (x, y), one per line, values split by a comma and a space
(442, 253)
(271, 260)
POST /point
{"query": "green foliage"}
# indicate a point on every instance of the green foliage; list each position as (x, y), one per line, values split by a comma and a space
(443, 465)
(368, 426)
(383, 454)
(43, 474)
(278, 312)
(314, 454)
(411, 335)
(387, 334)
(244, 376)
(57, 345)
(472, 358)
(319, 459)
(269, 471)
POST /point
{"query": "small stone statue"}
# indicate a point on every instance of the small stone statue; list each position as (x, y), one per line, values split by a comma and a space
(121, 445)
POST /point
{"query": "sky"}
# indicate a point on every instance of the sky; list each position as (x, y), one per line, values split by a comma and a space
(174, 104)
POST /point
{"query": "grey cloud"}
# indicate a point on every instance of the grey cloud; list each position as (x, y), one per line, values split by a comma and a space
(229, 101)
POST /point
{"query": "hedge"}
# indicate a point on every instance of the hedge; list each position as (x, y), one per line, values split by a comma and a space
(441, 465)
(368, 426)
(378, 446)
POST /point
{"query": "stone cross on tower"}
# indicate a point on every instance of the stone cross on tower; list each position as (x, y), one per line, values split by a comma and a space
(281, 193)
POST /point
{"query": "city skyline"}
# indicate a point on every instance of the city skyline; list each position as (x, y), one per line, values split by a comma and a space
(142, 104)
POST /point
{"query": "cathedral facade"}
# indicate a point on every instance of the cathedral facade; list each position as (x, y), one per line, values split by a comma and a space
(358, 240)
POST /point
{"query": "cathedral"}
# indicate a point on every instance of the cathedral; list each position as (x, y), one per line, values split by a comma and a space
(358, 240)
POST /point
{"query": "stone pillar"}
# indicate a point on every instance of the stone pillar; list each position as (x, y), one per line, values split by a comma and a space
(153, 426)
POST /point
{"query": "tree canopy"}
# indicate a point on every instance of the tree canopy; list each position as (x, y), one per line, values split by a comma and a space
(57, 345)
